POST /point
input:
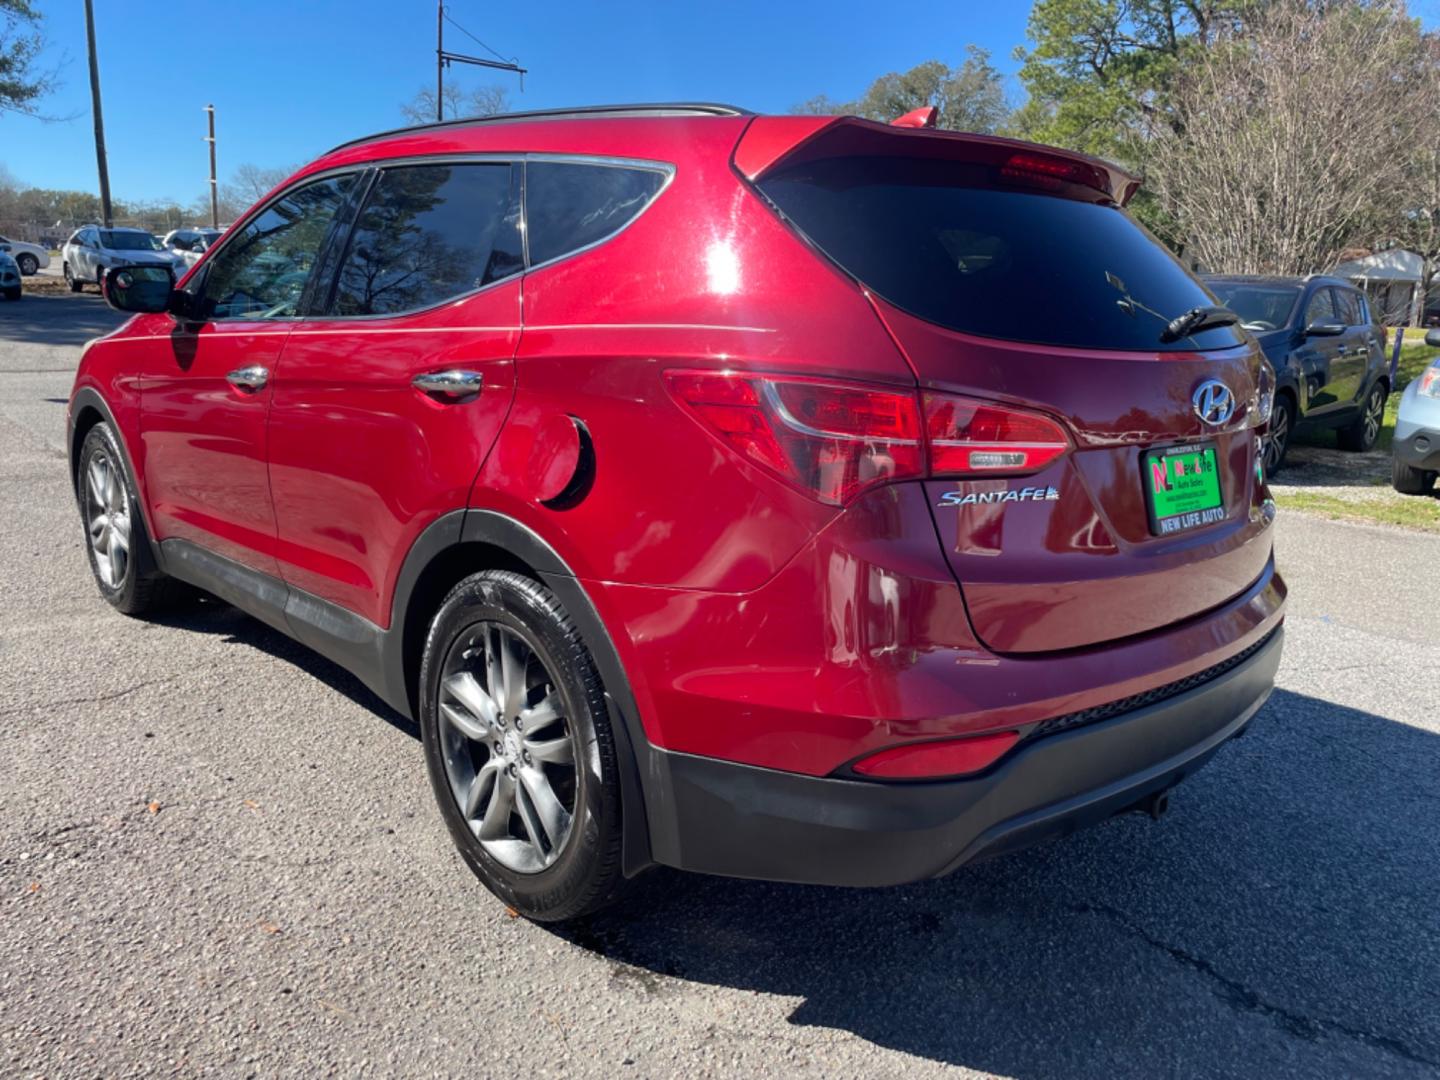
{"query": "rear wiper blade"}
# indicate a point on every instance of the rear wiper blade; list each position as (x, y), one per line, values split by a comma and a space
(1197, 319)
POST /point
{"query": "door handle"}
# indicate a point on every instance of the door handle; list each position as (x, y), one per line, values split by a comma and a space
(250, 378)
(452, 385)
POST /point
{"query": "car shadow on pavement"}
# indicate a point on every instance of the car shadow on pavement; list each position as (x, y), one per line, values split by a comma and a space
(1283, 911)
(58, 320)
(206, 615)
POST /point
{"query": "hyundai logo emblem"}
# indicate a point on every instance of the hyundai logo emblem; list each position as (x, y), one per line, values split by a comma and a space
(1213, 401)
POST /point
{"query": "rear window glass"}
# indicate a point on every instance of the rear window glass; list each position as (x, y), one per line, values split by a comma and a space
(429, 233)
(933, 238)
(1260, 307)
(569, 206)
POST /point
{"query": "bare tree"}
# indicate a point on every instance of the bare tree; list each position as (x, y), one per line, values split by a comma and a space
(1295, 135)
(459, 104)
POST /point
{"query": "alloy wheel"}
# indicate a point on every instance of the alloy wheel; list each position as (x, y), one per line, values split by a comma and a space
(1276, 439)
(107, 519)
(1374, 412)
(508, 747)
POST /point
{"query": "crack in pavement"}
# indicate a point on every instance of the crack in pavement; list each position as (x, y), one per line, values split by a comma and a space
(1243, 999)
(93, 699)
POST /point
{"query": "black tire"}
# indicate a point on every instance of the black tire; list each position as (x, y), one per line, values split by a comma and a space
(1410, 481)
(27, 263)
(13, 294)
(1277, 439)
(1362, 433)
(72, 280)
(585, 873)
(142, 588)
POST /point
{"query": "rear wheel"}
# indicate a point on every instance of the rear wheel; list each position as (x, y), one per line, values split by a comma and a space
(115, 537)
(1361, 434)
(1277, 439)
(519, 748)
(1410, 481)
(28, 264)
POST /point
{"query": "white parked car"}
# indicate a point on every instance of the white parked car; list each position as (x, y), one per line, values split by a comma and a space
(92, 250)
(31, 258)
(9, 277)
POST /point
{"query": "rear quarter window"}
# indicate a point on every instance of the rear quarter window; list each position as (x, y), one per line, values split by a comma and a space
(944, 241)
(572, 205)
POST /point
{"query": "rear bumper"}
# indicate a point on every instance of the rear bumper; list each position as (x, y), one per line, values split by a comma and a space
(743, 821)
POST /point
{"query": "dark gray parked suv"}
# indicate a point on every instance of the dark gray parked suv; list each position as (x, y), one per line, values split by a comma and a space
(1328, 355)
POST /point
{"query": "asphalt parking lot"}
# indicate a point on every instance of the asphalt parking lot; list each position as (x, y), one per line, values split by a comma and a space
(218, 853)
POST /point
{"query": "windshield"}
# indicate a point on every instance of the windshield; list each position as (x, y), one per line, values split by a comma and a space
(1260, 307)
(127, 241)
(937, 239)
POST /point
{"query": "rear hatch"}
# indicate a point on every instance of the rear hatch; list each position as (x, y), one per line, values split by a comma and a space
(1012, 275)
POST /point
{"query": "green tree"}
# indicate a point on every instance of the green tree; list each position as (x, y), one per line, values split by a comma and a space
(1100, 73)
(21, 82)
(970, 97)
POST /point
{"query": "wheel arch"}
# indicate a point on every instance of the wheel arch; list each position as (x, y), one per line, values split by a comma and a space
(463, 542)
(88, 408)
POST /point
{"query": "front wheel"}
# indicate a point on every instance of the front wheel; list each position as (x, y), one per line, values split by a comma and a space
(1363, 433)
(115, 537)
(1410, 481)
(519, 748)
(72, 280)
(13, 294)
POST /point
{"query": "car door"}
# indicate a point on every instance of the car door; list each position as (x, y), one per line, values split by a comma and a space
(1359, 348)
(206, 390)
(87, 255)
(388, 398)
(1319, 352)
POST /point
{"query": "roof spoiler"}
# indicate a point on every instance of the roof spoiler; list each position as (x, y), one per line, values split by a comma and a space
(770, 141)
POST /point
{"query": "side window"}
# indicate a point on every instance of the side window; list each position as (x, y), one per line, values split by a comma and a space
(429, 233)
(263, 269)
(1347, 304)
(569, 205)
(1321, 309)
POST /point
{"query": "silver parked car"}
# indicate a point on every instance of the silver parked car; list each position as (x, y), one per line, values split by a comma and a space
(1416, 446)
(91, 250)
(9, 276)
(31, 258)
(190, 244)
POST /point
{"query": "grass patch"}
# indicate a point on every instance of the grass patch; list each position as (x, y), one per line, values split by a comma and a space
(1409, 512)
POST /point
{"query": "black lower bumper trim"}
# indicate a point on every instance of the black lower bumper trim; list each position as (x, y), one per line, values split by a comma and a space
(744, 821)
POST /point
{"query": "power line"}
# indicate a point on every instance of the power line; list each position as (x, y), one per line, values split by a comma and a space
(443, 59)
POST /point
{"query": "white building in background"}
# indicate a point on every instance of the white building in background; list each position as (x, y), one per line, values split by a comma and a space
(1391, 279)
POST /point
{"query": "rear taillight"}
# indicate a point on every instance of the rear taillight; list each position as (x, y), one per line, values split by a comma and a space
(833, 440)
(830, 439)
(974, 438)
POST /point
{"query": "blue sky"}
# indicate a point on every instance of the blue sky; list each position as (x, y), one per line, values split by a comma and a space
(291, 79)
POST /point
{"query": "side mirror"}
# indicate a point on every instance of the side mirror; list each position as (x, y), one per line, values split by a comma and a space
(1324, 330)
(1432, 338)
(138, 288)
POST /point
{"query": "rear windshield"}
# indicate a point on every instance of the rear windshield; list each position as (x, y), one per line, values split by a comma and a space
(1260, 307)
(936, 239)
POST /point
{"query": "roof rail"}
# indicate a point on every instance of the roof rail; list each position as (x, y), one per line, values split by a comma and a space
(685, 108)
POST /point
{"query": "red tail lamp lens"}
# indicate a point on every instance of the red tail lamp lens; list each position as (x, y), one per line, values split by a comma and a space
(1051, 173)
(948, 757)
(831, 440)
(973, 438)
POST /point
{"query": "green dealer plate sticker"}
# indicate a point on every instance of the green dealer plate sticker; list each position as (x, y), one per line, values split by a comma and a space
(1182, 488)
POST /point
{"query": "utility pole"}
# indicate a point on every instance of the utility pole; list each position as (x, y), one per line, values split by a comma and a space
(443, 59)
(105, 211)
(214, 191)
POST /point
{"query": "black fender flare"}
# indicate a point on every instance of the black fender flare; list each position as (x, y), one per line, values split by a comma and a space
(634, 751)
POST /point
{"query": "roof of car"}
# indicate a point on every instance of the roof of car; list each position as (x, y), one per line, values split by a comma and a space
(1280, 279)
(582, 112)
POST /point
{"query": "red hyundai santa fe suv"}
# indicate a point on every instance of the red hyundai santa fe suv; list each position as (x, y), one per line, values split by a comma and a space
(801, 498)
